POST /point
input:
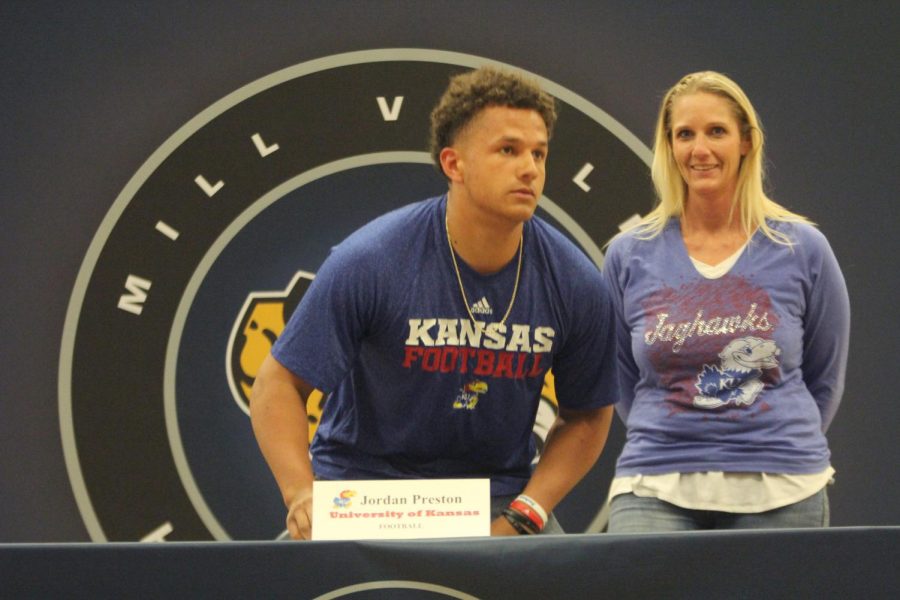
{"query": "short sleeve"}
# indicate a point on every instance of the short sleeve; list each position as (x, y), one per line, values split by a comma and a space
(323, 336)
(584, 369)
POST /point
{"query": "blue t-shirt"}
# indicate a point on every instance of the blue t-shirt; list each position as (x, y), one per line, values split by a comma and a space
(414, 389)
(742, 373)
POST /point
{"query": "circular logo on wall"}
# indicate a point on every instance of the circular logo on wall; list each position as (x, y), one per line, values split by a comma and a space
(211, 244)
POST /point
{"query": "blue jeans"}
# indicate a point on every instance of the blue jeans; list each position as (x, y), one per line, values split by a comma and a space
(498, 503)
(634, 514)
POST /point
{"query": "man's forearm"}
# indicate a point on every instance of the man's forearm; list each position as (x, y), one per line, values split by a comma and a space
(278, 416)
(573, 445)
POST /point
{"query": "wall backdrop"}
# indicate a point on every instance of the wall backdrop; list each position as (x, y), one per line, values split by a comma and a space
(128, 271)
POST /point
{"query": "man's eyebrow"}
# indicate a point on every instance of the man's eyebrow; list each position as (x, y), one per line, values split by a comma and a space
(519, 139)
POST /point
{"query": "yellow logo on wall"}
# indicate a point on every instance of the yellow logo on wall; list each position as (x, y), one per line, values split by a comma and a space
(260, 322)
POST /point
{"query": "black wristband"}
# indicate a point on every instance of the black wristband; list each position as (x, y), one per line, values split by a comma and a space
(519, 522)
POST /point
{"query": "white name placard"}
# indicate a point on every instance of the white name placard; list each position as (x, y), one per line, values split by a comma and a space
(401, 509)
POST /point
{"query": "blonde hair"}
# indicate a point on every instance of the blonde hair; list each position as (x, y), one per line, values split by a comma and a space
(750, 200)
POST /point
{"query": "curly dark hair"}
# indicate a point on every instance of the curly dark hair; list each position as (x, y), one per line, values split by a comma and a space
(470, 92)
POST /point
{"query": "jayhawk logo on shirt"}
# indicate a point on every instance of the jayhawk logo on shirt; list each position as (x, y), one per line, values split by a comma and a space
(711, 344)
(736, 379)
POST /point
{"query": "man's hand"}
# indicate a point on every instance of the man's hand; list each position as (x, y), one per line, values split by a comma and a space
(299, 517)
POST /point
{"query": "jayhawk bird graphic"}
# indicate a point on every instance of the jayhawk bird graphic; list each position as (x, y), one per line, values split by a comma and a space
(343, 499)
(735, 380)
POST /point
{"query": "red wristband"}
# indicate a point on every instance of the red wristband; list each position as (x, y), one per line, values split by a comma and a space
(534, 506)
(522, 508)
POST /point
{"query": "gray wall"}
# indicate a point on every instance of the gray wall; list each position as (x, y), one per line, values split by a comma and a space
(91, 89)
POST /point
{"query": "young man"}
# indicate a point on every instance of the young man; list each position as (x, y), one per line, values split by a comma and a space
(432, 327)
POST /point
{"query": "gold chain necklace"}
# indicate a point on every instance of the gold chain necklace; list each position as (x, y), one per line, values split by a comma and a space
(462, 289)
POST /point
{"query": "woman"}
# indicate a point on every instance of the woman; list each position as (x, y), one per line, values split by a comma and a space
(733, 333)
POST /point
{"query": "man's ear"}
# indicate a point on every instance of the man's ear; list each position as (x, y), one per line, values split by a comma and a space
(452, 164)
